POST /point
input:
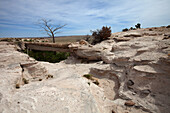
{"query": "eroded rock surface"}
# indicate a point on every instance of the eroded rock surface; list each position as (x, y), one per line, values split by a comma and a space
(132, 68)
(141, 66)
(66, 92)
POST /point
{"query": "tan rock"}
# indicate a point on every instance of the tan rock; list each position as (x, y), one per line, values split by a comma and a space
(83, 42)
(133, 34)
(129, 103)
(135, 69)
(145, 68)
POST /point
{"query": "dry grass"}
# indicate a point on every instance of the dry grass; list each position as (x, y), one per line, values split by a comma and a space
(66, 39)
(61, 39)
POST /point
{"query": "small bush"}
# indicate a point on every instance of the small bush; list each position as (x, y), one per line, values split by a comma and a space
(88, 76)
(100, 35)
(17, 39)
(168, 26)
(49, 76)
(87, 38)
(17, 86)
(49, 56)
(126, 29)
(96, 82)
(30, 40)
(25, 81)
(89, 83)
(7, 39)
(138, 26)
(150, 30)
(131, 28)
(25, 40)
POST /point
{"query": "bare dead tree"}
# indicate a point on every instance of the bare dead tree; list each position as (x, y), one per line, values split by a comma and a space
(49, 29)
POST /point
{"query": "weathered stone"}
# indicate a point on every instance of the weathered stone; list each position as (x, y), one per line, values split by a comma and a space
(130, 83)
(121, 39)
(129, 103)
(67, 90)
(133, 35)
(1, 96)
(83, 42)
(136, 69)
(145, 68)
(90, 54)
(146, 91)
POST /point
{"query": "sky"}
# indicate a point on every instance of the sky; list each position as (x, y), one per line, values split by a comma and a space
(19, 18)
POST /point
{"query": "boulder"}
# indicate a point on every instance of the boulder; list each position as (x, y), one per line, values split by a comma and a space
(145, 68)
(129, 103)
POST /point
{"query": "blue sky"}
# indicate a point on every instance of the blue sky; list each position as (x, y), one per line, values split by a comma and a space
(18, 18)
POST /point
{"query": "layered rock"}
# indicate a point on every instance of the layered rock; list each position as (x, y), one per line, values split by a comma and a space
(141, 66)
(64, 91)
(130, 73)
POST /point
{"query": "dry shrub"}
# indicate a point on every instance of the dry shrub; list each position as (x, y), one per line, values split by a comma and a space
(100, 35)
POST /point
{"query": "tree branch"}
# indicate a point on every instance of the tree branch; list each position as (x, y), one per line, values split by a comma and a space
(49, 34)
(57, 32)
(49, 29)
(59, 27)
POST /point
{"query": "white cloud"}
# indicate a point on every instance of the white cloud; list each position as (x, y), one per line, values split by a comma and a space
(84, 15)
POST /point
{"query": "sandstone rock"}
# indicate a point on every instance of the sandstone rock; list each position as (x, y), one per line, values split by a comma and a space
(135, 69)
(86, 52)
(146, 91)
(129, 103)
(83, 42)
(149, 56)
(132, 35)
(130, 83)
(90, 54)
(67, 90)
(121, 39)
(145, 68)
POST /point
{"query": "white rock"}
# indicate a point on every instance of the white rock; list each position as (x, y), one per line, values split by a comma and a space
(145, 68)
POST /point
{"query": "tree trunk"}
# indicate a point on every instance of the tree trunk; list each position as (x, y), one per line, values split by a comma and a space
(53, 38)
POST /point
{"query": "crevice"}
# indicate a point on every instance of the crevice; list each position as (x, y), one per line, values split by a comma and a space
(108, 81)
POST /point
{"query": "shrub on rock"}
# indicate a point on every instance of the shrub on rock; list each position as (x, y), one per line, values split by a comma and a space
(101, 35)
(126, 29)
(88, 76)
(17, 86)
(138, 26)
(25, 81)
(131, 28)
(168, 26)
(96, 82)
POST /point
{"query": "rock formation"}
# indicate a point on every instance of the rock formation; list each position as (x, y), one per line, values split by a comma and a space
(129, 73)
(140, 62)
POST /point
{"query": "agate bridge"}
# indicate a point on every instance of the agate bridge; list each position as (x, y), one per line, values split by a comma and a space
(47, 46)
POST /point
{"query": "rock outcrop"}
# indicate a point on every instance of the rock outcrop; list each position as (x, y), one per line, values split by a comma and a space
(28, 86)
(130, 74)
(141, 65)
